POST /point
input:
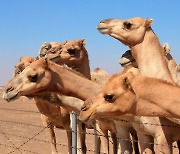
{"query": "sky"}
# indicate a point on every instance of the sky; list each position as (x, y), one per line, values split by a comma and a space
(26, 24)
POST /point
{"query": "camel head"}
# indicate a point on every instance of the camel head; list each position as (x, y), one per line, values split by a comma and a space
(32, 79)
(23, 63)
(71, 53)
(130, 32)
(45, 47)
(116, 98)
(127, 59)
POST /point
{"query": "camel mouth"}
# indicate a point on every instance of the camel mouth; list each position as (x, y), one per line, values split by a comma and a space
(102, 28)
(126, 63)
(42, 55)
(10, 97)
(53, 58)
(86, 118)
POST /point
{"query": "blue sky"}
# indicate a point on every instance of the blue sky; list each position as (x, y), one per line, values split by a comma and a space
(26, 24)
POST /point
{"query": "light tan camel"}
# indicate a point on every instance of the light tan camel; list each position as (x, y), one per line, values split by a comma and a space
(74, 55)
(124, 93)
(123, 129)
(99, 75)
(145, 47)
(127, 59)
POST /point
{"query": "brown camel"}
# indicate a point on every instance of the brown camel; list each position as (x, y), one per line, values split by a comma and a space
(145, 47)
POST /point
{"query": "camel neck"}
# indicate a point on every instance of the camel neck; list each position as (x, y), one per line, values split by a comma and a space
(83, 67)
(150, 59)
(158, 92)
(70, 83)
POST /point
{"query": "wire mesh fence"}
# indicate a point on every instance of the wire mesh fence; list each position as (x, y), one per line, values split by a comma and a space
(21, 131)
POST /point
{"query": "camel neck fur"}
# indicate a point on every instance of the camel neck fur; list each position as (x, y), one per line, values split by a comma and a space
(83, 67)
(159, 92)
(150, 59)
(81, 88)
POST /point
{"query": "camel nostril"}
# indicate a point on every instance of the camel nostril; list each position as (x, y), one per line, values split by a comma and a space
(83, 108)
(106, 21)
(9, 89)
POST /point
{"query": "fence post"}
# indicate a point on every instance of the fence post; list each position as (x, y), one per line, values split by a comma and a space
(74, 133)
(96, 140)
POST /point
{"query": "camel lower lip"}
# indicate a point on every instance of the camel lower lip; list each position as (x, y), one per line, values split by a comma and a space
(130, 61)
(11, 98)
(101, 28)
(87, 118)
(53, 58)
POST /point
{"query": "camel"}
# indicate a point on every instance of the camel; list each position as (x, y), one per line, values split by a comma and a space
(124, 93)
(74, 55)
(51, 115)
(137, 34)
(99, 75)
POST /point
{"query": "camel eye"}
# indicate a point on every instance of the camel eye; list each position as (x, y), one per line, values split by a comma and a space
(72, 51)
(110, 98)
(52, 51)
(127, 25)
(33, 78)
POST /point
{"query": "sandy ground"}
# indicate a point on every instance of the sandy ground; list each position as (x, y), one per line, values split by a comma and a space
(21, 126)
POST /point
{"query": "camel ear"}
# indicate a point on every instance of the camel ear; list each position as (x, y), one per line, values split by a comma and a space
(148, 22)
(127, 84)
(36, 58)
(166, 48)
(65, 42)
(83, 42)
(20, 59)
(46, 62)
